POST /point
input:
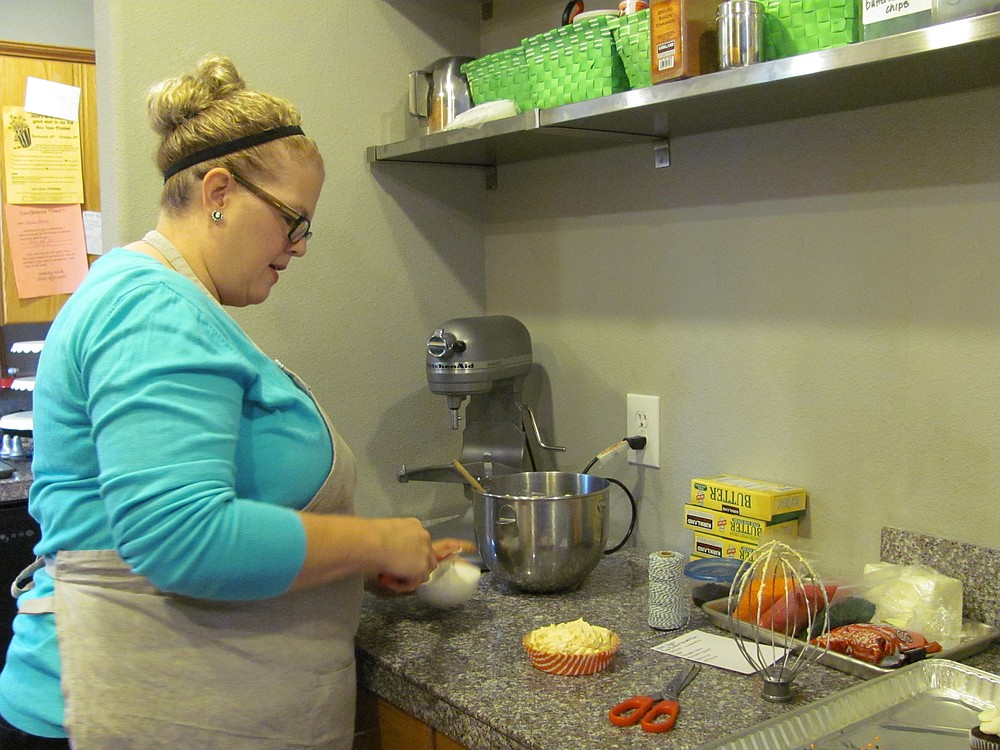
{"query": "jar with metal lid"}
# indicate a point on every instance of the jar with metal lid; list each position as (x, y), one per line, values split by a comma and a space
(741, 33)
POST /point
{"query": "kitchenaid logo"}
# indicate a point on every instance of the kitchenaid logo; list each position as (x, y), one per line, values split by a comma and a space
(452, 366)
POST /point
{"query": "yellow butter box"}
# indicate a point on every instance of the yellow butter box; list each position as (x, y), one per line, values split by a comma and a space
(740, 496)
(740, 528)
(708, 545)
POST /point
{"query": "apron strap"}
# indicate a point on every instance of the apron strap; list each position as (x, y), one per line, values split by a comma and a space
(42, 605)
(23, 582)
(175, 259)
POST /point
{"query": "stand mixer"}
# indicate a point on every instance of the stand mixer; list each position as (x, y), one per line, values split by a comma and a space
(485, 360)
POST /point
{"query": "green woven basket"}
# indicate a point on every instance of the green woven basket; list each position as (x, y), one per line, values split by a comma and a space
(501, 75)
(632, 41)
(575, 62)
(797, 26)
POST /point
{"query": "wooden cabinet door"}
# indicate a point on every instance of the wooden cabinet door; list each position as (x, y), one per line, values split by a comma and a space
(443, 742)
(379, 725)
(74, 67)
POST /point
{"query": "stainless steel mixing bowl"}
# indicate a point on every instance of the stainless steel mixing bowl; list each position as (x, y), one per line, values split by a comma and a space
(542, 531)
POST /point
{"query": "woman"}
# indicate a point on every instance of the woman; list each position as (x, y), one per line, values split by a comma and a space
(202, 571)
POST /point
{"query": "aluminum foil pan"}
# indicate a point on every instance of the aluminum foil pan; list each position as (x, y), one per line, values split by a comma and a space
(930, 705)
(976, 637)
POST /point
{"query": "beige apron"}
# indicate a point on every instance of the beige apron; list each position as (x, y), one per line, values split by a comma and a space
(145, 669)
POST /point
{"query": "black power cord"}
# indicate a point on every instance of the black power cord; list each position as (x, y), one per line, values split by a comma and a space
(631, 525)
(636, 443)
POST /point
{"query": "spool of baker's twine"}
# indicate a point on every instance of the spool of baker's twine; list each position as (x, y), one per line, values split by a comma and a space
(669, 594)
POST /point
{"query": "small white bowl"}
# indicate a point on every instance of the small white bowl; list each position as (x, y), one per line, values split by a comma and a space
(451, 583)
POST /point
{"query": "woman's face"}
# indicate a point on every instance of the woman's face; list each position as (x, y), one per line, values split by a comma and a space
(257, 248)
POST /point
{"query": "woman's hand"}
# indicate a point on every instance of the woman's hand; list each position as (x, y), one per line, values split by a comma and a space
(388, 585)
(338, 546)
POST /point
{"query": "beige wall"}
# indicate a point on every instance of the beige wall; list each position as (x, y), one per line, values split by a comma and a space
(815, 302)
(63, 23)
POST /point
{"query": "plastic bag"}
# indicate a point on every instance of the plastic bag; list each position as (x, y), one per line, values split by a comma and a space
(916, 598)
(882, 645)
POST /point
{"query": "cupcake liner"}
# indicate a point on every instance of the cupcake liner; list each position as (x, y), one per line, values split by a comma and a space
(979, 740)
(571, 664)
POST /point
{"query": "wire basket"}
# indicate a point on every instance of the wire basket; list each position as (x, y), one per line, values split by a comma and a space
(797, 26)
(632, 42)
(575, 62)
(501, 75)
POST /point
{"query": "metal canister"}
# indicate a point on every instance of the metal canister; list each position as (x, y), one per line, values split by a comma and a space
(741, 33)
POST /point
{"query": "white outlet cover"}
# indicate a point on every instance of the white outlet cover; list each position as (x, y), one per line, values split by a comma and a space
(643, 418)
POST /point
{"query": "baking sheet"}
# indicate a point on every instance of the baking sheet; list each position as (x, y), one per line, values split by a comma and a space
(930, 705)
(976, 637)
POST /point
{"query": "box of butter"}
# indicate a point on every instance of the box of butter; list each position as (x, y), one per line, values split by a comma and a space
(741, 528)
(740, 496)
(708, 545)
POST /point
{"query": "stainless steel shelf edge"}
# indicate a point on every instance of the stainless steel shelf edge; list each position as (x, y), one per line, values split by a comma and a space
(470, 146)
(505, 141)
(946, 58)
(942, 59)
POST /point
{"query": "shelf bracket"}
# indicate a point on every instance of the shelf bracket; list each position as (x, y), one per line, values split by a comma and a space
(661, 154)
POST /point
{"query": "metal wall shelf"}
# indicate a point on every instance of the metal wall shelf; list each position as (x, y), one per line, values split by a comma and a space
(943, 59)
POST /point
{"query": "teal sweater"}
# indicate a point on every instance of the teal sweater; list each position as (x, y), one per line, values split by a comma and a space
(161, 432)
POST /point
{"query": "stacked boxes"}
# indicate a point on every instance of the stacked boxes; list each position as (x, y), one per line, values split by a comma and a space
(731, 515)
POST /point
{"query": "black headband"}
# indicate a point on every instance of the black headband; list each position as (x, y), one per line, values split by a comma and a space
(229, 147)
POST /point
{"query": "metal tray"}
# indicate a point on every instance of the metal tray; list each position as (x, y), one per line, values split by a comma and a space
(930, 705)
(976, 637)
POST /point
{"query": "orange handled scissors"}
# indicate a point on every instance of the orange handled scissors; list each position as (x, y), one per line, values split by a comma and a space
(654, 713)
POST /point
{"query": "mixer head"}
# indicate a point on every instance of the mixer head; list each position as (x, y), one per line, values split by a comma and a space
(467, 356)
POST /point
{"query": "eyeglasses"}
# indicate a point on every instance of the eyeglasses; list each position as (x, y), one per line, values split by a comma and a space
(299, 224)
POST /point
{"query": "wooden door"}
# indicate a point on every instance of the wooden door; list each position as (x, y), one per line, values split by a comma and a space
(74, 67)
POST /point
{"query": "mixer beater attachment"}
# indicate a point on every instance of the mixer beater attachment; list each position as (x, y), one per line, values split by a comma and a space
(776, 594)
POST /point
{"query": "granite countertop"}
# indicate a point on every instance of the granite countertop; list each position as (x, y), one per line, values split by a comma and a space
(15, 488)
(464, 672)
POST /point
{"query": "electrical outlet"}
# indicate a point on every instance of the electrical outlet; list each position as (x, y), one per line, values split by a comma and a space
(644, 419)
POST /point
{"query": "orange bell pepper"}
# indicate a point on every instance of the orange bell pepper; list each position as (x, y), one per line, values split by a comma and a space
(758, 596)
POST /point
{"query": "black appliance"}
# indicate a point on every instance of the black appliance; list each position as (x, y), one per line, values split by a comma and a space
(19, 533)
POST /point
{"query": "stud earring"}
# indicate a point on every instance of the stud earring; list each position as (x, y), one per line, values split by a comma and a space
(216, 216)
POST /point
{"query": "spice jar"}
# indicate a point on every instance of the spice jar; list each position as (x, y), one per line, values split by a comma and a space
(741, 33)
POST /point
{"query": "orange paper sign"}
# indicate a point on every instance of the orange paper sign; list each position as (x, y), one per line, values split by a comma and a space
(47, 248)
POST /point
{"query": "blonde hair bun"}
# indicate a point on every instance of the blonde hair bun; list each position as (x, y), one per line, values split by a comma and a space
(180, 98)
(213, 106)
